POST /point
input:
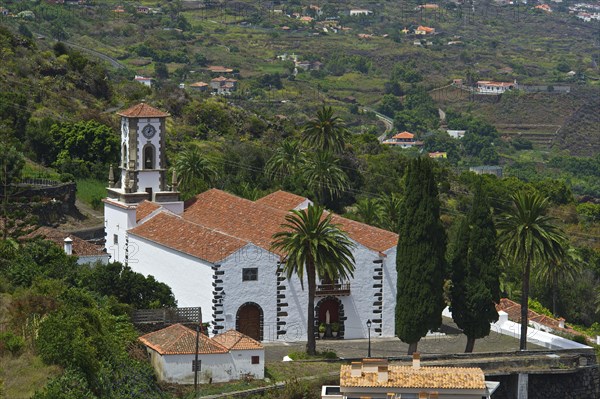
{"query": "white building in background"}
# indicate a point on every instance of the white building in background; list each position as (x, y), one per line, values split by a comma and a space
(143, 80)
(216, 253)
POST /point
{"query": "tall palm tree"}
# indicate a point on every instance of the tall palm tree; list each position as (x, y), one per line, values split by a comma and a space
(314, 246)
(286, 160)
(390, 211)
(323, 175)
(194, 171)
(565, 268)
(325, 132)
(369, 211)
(529, 237)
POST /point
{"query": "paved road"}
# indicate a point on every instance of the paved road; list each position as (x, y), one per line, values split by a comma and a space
(393, 347)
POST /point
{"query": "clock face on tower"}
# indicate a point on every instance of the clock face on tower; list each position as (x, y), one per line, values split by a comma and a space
(148, 131)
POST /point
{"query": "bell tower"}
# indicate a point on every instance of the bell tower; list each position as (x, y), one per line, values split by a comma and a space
(143, 176)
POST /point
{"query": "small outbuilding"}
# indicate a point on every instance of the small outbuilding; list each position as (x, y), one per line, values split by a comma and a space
(228, 356)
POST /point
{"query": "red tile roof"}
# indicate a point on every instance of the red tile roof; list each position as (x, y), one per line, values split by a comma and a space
(143, 110)
(513, 309)
(80, 247)
(281, 200)
(180, 340)
(144, 209)
(403, 135)
(235, 340)
(185, 236)
(256, 222)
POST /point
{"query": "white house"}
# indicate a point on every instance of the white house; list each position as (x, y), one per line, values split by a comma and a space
(360, 11)
(489, 87)
(228, 356)
(216, 253)
(143, 80)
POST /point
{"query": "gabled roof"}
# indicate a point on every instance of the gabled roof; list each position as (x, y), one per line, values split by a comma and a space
(513, 309)
(180, 340)
(143, 110)
(235, 340)
(185, 236)
(80, 247)
(282, 200)
(144, 209)
(421, 378)
(256, 222)
(403, 135)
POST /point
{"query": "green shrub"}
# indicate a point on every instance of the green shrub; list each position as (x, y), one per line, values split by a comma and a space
(11, 343)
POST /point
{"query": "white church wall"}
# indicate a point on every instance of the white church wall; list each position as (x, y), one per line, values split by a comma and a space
(175, 207)
(190, 278)
(297, 300)
(263, 291)
(390, 280)
(117, 221)
(148, 178)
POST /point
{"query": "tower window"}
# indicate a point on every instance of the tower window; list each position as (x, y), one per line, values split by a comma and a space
(124, 155)
(149, 157)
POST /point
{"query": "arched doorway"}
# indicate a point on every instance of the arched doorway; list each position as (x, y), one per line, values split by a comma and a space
(249, 320)
(335, 308)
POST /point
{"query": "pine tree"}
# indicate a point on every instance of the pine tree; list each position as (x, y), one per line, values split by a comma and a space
(420, 258)
(475, 284)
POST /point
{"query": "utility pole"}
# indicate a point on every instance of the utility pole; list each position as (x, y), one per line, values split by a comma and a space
(198, 327)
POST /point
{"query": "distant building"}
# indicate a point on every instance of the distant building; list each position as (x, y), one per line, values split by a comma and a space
(223, 85)
(219, 69)
(143, 80)
(487, 170)
(490, 87)
(199, 86)
(424, 30)
(404, 140)
(360, 11)
(456, 134)
(438, 155)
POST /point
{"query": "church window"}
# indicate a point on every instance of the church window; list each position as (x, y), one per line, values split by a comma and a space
(149, 157)
(250, 274)
(115, 239)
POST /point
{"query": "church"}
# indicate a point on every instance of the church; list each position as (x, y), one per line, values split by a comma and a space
(215, 252)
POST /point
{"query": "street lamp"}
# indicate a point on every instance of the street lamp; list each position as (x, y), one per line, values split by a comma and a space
(369, 335)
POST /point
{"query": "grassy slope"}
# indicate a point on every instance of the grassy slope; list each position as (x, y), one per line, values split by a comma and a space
(23, 375)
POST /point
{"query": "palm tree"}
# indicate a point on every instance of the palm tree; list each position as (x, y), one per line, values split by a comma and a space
(323, 176)
(565, 268)
(390, 211)
(529, 237)
(369, 211)
(314, 246)
(286, 160)
(325, 132)
(194, 171)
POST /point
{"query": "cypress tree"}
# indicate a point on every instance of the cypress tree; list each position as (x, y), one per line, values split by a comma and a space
(420, 261)
(475, 286)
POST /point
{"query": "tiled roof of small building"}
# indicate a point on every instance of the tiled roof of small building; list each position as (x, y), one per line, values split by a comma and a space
(235, 340)
(403, 135)
(144, 209)
(281, 200)
(180, 340)
(513, 309)
(423, 377)
(80, 247)
(185, 236)
(143, 110)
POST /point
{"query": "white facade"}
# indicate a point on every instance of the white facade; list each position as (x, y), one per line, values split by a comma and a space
(220, 367)
(118, 219)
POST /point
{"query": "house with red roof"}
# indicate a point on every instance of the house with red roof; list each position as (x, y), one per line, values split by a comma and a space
(403, 140)
(491, 87)
(215, 252)
(225, 357)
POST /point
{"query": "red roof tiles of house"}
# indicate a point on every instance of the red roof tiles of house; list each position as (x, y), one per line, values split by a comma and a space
(144, 209)
(80, 247)
(180, 340)
(235, 340)
(282, 200)
(403, 135)
(143, 110)
(190, 238)
(513, 310)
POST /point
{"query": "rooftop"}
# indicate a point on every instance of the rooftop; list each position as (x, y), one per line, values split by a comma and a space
(80, 247)
(235, 340)
(180, 340)
(143, 110)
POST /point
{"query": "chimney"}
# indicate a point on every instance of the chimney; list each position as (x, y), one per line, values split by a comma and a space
(382, 374)
(356, 369)
(561, 322)
(502, 317)
(68, 246)
(416, 361)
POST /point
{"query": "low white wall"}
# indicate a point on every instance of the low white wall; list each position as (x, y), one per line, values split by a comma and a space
(534, 336)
